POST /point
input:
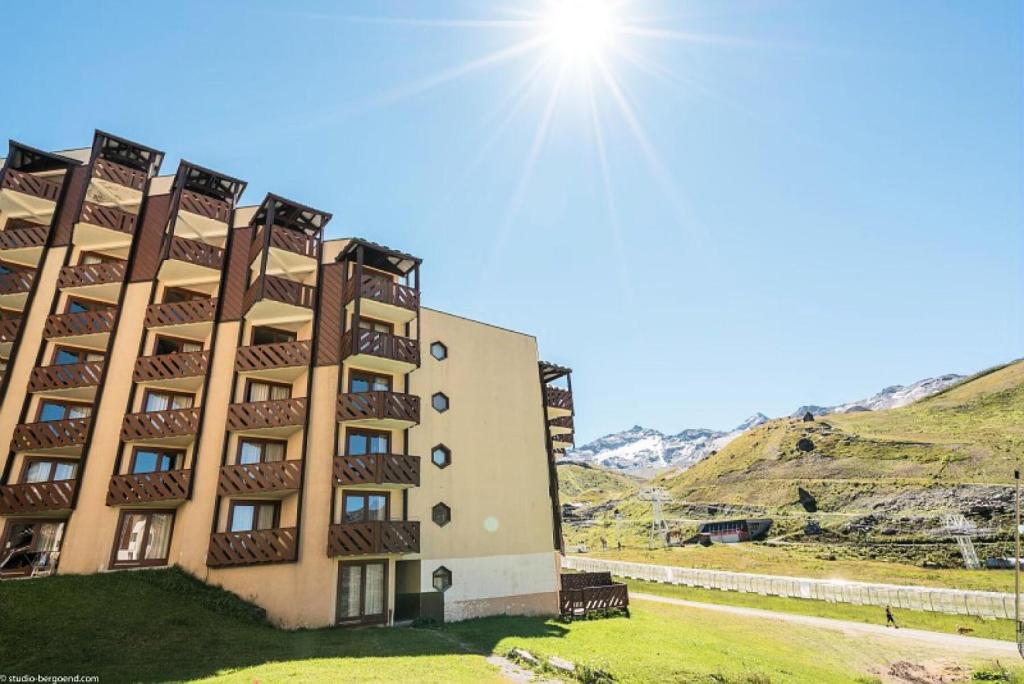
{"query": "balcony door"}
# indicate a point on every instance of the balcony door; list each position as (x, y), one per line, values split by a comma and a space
(362, 592)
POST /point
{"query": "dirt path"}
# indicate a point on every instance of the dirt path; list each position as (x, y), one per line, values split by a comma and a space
(952, 643)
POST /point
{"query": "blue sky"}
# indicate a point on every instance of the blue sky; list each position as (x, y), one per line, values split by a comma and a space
(828, 199)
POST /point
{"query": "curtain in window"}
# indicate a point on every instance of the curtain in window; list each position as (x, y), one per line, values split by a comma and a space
(79, 411)
(273, 452)
(351, 584)
(280, 392)
(182, 401)
(374, 604)
(133, 533)
(159, 536)
(157, 402)
(259, 391)
(48, 536)
(266, 518)
(38, 472)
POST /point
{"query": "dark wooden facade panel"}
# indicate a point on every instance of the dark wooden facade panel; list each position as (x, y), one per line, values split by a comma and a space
(254, 478)
(328, 324)
(274, 355)
(33, 497)
(53, 434)
(171, 366)
(255, 415)
(373, 537)
(167, 485)
(65, 376)
(376, 469)
(77, 179)
(147, 253)
(19, 234)
(236, 276)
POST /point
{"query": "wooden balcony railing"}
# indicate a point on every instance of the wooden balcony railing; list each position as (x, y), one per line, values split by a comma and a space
(92, 274)
(381, 344)
(252, 478)
(558, 398)
(377, 469)
(9, 329)
(65, 376)
(286, 239)
(113, 218)
(80, 323)
(382, 289)
(378, 406)
(276, 355)
(280, 290)
(374, 537)
(17, 282)
(255, 415)
(564, 439)
(562, 422)
(168, 485)
(34, 497)
(179, 313)
(23, 235)
(195, 252)
(160, 424)
(171, 366)
(205, 206)
(53, 434)
(119, 173)
(19, 181)
(246, 548)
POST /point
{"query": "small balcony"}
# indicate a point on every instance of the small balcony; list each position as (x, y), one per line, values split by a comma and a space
(192, 319)
(22, 241)
(290, 250)
(272, 299)
(165, 487)
(100, 281)
(53, 436)
(8, 331)
(89, 328)
(275, 417)
(373, 538)
(191, 262)
(24, 194)
(111, 173)
(279, 361)
(36, 497)
(380, 470)
(389, 410)
(14, 289)
(558, 402)
(382, 297)
(202, 217)
(277, 545)
(177, 426)
(564, 440)
(560, 425)
(280, 477)
(184, 370)
(104, 227)
(380, 351)
(78, 380)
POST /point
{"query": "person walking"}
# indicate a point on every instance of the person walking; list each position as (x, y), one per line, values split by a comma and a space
(889, 619)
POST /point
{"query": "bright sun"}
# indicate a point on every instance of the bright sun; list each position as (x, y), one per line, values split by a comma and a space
(579, 29)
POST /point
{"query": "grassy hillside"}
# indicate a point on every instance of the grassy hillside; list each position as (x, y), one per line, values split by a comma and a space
(582, 483)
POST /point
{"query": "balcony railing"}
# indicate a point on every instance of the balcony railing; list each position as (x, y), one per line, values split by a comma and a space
(564, 440)
(171, 366)
(562, 422)
(80, 323)
(65, 376)
(378, 406)
(281, 290)
(255, 415)
(53, 434)
(380, 344)
(195, 252)
(36, 186)
(382, 289)
(373, 537)
(377, 469)
(120, 174)
(252, 478)
(246, 548)
(92, 274)
(23, 235)
(108, 217)
(168, 485)
(205, 206)
(34, 497)
(160, 424)
(555, 397)
(179, 313)
(9, 329)
(286, 239)
(17, 282)
(276, 355)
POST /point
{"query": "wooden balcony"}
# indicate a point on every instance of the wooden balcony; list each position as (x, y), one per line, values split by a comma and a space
(373, 538)
(377, 469)
(282, 416)
(558, 401)
(276, 545)
(119, 174)
(9, 329)
(185, 369)
(205, 206)
(380, 351)
(53, 435)
(283, 361)
(37, 187)
(560, 425)
(179, 425)
(109, 218)
(259, 478)
(16, 283)
(193, 318)
(140, 488)
(287, 240)
(383, 290)
(36, 497)
(565, 440)
(379, 409)
(97, 281)
(94, 326)
(272, 298)
(23, 239)
(64, 378)
(191, 261)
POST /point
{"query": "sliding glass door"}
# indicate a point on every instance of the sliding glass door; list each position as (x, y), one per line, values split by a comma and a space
(362, 592)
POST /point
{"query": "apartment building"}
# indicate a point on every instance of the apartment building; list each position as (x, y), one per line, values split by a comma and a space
(191, 381)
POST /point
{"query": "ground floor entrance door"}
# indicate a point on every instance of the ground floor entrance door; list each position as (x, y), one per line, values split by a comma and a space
(362, 592)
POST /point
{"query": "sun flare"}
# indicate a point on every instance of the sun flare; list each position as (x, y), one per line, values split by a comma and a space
(579, 30)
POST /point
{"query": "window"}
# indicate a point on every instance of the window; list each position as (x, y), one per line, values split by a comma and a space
(143, 538)
(63, 356)
(47, 470)
(440, 402)
(364, 507)
(30, 545)
(95, 258)
(262, 334)
(158, 400)
(79, 305)
(441, 514)
(442, 578)
(261, 451)
(50, 410)
(360, 442)
(175, 345)
(375, 325)
(441, 456)
(173, 295)
(258, 390)
(248, 516)
(439, 351)
(150, 460)
(368, 382)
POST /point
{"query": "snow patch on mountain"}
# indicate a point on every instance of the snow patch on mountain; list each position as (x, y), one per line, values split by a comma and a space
(889, 398)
